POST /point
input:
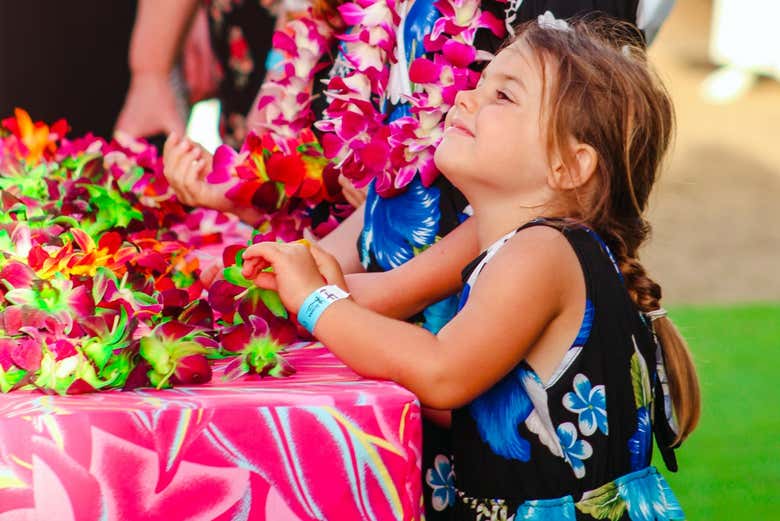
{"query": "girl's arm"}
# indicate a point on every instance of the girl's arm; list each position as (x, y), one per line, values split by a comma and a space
(427, 278)
(518, 297)
(342, 242)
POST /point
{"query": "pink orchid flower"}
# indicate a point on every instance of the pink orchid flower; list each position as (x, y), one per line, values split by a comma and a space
(57, 297)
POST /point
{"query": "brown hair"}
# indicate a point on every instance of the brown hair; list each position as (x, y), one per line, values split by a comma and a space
(605, 94)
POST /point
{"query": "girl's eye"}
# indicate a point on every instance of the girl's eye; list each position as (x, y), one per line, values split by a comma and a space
(502, 96)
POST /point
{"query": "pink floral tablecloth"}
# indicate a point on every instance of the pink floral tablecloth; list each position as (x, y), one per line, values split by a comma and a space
(321, 444)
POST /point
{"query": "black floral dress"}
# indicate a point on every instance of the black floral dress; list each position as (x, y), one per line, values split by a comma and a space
(579, 445)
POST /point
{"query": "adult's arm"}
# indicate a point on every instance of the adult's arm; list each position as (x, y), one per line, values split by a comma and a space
(150, 106)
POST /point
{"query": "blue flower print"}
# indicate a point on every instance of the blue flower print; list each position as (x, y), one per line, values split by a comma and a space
(590, 403)
(639, 445)
(441, 478)
(648, 496)
(437, 315)
(574, 450)
(498, 412)
(559, 509)
(395, 226)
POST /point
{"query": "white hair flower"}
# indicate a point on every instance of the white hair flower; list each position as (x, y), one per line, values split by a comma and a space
(548, 21)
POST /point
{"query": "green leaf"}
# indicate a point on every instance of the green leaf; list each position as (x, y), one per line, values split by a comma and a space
(233, 275)
(79, 163)
(144, 298)
(65, 219)
(159, 380)
(156, 354)
(9, 379)
(120, 331)
(187, 348)
(98, 352)
(273, 302)
(604, 502)
(640, 380)
(117, 370)
(130, 178)
(86, 371)
(113, 209)
(47, 378)
(261, 354)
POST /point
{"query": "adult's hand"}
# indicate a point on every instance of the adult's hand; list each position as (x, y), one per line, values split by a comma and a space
(150, 107)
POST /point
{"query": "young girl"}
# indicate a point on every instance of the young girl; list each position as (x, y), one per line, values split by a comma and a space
(552, 365)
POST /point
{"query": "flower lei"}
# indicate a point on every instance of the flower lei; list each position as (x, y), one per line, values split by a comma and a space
(100, 272)
(355, 136)
(282, 170)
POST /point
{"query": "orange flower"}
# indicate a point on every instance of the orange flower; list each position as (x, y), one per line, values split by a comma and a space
(38, 139)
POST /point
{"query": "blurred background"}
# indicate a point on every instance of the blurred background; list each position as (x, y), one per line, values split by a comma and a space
(715, 248)
(715, 210)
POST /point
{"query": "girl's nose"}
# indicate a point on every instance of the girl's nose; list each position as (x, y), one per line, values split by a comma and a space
(466, 100)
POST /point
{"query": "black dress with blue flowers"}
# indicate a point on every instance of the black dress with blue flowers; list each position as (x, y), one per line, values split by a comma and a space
(579, 445)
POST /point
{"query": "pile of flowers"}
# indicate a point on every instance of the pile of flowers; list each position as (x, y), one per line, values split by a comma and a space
(101, 271)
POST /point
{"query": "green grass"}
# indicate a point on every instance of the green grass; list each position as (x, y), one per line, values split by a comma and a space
(730, 466)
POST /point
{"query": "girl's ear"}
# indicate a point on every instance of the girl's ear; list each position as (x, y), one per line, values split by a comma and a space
(568, 175)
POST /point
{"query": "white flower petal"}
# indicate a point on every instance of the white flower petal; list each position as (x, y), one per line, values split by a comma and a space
(587, 422)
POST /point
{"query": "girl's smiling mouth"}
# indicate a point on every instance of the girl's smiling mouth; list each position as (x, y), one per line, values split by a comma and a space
(458, 126)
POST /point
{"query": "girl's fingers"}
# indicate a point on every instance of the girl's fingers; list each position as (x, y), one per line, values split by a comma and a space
(326, 263)
(309, 236)
(266, 280)
(180, 152)
(252, 266)
(328, 266)
(265, 253)
(210, 274)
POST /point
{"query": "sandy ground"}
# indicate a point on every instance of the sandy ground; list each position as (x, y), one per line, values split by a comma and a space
(716, 209)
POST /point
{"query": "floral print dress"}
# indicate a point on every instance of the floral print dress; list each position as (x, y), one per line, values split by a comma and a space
(579, 445)
(241, 33)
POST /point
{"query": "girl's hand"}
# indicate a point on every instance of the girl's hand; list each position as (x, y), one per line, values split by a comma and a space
(298, 269)
(186, 165)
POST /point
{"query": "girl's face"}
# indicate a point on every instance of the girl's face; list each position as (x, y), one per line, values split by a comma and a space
(494, 136)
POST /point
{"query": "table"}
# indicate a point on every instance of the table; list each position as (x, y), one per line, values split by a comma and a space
(321, 444)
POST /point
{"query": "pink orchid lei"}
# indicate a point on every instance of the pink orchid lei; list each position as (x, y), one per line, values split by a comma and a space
(101, 269)
(356, 138)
